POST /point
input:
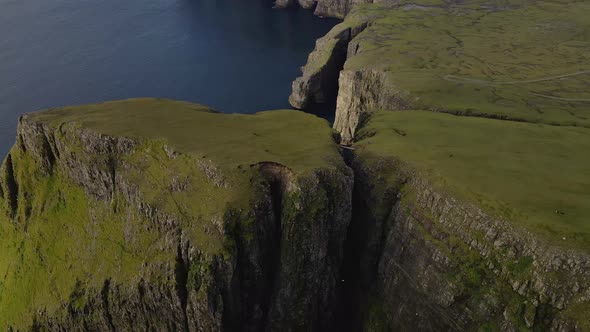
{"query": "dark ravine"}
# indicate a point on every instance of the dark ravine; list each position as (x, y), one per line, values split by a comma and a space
(11, 188)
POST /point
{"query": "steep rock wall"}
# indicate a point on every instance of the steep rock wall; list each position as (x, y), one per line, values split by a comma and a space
(325, 8)
(272, 263)
(361, 92)
(431, 262)
(319, 81)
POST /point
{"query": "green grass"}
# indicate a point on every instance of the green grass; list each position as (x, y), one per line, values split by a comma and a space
(63, 243)
(479, 58)
(70, 243)
(298, 140)
(520, 171)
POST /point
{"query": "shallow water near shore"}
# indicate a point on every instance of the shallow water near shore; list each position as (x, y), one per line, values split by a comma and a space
(233, 55)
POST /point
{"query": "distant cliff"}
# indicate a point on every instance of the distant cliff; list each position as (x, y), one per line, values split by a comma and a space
(327, 8)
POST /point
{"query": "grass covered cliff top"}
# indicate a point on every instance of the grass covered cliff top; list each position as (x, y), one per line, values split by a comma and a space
(295, 139)
(535, 175)
(508, 59)
(97, 217)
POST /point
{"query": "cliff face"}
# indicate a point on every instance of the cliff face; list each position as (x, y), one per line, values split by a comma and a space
(325, 8)
(356, 91)
(424, 56)
(465, 206)
(104, 232)
(360, 92)
(445, 236)
(431, 262)
(454, 225)
(318, 84)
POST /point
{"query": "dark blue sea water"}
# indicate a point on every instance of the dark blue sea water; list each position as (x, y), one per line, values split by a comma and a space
(234, 55)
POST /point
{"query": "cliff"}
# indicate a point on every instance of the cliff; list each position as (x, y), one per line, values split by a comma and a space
(197, 221)
(324, 8)
(457, 232)
(161, 215)
(430, 56)
(470, 203)
(461, 202)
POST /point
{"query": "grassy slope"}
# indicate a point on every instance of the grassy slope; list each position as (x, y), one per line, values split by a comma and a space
(473, 58)
(521, 171)
(72, 243)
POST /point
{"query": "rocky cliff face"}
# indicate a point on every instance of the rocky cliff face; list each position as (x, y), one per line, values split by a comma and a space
(195, 221)
(325, 8)
(419, 256)
(361, 92)
(319, 82)
(118, 229)
(420, 55)
(430, 262)
(356, 91)
(131, 233)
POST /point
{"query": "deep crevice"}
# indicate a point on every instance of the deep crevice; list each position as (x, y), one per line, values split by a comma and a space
(272, 258)
(48, 155)
(350, 287)
(363, 248)
(321, 97)
(181, 275)
(112, 165)
(104, 293)
(11, 186)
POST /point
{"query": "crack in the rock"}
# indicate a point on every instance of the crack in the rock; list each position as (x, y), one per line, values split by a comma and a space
(11, 186)
(105, 302)
(181, 275)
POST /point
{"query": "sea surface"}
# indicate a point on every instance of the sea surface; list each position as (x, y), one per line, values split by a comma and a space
(237, 56)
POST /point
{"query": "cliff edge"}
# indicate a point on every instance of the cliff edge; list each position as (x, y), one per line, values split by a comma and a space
(160, 215)
(467, 123)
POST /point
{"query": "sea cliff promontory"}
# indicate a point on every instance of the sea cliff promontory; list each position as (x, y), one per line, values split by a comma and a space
(161, 215)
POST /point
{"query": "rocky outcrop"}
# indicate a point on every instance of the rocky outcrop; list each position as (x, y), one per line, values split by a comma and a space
(117, 234)
(421, 55)
(319, 81)
(271, 262)
(324, 8)
(361, 92)
(307, 4)
(356, 92)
